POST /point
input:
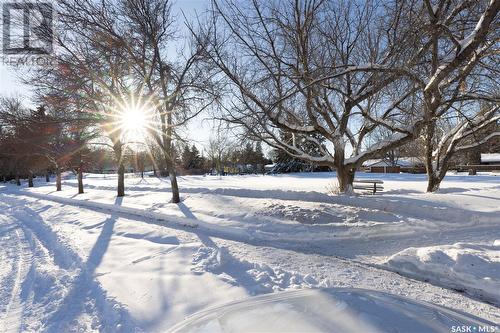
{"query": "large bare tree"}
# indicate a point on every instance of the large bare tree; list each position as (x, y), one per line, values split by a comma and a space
(174, 82)
(341, 70)
(459, 69)
(314, 68)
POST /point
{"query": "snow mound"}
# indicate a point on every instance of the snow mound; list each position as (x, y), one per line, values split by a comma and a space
(329, 214)
(472, 268)
(256, 278)
(299, 214)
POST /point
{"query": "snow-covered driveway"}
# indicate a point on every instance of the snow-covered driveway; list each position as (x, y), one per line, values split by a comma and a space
(95, 263)
(80, 267)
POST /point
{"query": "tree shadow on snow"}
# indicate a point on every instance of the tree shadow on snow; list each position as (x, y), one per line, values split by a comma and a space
(229, 265)
(481, 196)
(86, 292)
(161, 308)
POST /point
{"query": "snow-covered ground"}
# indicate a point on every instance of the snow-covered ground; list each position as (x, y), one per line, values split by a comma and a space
(92, 262)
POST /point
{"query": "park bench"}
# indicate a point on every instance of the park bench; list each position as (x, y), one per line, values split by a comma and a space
(372, 185)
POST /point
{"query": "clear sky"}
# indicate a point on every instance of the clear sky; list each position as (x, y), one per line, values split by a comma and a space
(198, 130)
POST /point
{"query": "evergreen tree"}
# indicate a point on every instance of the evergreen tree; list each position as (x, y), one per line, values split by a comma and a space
(191, 158)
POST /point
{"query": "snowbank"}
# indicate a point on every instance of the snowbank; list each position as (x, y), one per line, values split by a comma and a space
(257, 278)
(472, 268)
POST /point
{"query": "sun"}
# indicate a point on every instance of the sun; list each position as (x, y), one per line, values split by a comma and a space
(133, 119)
(134, 123)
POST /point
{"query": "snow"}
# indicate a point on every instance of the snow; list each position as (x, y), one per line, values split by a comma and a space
(474, 268)
(260, 278)
(490, 158)
(92, 262)
(402, 161)
(384, 143)
(349, 311)
(376, 162)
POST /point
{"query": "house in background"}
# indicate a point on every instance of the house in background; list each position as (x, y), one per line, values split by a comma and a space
(402, 164)
(490, 159)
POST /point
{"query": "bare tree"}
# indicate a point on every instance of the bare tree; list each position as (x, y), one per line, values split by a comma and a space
(458, 51)
(462, 137)
(314, 68)
(92, 77)
(341, 70)
(175, 85)
(37, 140)
(218, 150)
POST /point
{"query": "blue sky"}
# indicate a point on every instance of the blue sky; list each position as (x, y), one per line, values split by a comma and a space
(198, 130)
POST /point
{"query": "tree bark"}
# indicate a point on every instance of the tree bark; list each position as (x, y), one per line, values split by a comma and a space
(30, 179)
(432, 179)
(18, 181)
(433, 183)
(58, 179)
(345, 177)
(80, 180)
(118, 150)
(121, 180)
(47, 177)
(173, 183)
(168, 156)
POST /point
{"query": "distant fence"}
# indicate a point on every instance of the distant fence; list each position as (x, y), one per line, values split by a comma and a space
(384, 169)
(478, 167)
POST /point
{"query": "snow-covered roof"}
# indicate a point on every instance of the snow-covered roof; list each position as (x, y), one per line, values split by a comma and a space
(401, 161)
(376, 163)
(490, 157)
(409, 161)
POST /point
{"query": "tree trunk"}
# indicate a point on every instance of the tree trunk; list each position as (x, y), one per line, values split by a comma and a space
(142, 174)
(58, 179)
(435, 178)
(118, 150)
(121, 180)
(80, 180)
(47, 177)
(433, 183)
(432, 179)
(30, 179)
(168, 156)
(173, 183)
(474, 157)
(18, 181)
(345, 177)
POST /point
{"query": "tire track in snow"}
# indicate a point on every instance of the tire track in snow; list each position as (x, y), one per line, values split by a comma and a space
(83, 294)
(354, 270)
(23, 249)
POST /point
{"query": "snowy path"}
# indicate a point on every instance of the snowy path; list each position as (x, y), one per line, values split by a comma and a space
(256, 224)
(126, 275)
(16, 257)
(48, 281)
(158, 263)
